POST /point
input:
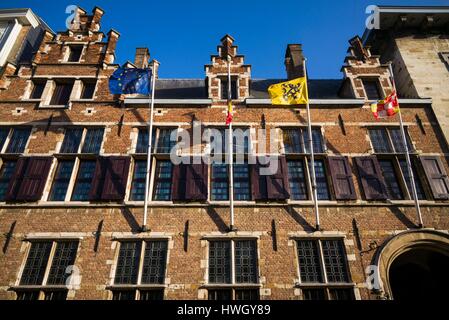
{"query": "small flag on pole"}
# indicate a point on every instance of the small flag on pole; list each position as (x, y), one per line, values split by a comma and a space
(289, 93)
(229, 115)
(130, 80)
(386, 108)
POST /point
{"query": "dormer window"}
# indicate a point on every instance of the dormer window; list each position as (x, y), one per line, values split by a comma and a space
(61, 94)
(372, 89)
(224, 88)
(75, 53)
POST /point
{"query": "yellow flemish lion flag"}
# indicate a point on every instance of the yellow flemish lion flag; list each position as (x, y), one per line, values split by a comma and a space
(289, 93)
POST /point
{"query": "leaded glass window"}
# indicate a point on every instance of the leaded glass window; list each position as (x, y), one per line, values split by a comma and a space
(391, 179)
(163, 180)
(64, 256)
(321, 180)
(296, 140)
(18, 140)
(137, 265)
(309, 261)
(418, 184)
(47, 265)
(72, 140)
(297, 180)
(242, 190)
(138, 183)
(389, 140)
(155, 257)
(93, 140)
(323, 269)
(380, 140)
(61, 181)
(335, 261)
(128, 263)
(6, 172)
(219, 182)
(219, 262)
(83, 181)
(164, 143)
(245, 261)
(37, 260)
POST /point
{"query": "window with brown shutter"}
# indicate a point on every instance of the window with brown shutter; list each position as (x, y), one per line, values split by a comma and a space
(388, 146)
(34, 179)
(437, 177)
(271, 187)
(116, 177)
(97, 179)
(16, 179)
(371, 177)
(341, 174)
(190, 182)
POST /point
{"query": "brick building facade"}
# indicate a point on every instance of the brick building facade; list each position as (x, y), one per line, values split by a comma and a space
(73, 169)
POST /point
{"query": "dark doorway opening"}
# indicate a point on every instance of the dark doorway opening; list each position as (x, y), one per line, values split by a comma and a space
(420, 274)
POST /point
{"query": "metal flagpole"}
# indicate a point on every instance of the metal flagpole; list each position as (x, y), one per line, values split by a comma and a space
(312, 156)
(407, 157)
(150, 138)
(230, 151)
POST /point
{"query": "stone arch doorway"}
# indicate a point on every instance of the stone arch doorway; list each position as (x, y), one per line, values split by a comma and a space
(414, 265)
(419, 273)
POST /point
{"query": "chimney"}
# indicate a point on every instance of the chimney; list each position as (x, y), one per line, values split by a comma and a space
(294, 61)
(142, 57)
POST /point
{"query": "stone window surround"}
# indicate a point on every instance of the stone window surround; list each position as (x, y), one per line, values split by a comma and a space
(307, 173)
(323, 235)
(54, 237)
(44, 101)
(232, 236)
(78, 157)
(118, 237)
(66, 49)
(394, 157)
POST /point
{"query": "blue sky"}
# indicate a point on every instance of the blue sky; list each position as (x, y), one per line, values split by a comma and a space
(182, 34)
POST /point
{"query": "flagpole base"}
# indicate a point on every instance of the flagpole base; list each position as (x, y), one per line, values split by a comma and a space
(317, 227)
(232, 229)
(420, 226)
(144, 229)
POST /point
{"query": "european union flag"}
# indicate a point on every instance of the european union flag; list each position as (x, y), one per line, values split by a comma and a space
(130, 80)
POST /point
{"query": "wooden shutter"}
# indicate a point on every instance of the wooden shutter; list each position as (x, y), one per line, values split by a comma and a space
(116, 177)
(341, 174)
(179, 182)
(34, 179)
(196, 175)
(277, 184)
(16, 179)
(258, 183)
(437, 177)
(371, 177)
(270, 187)
(190, 182)
(98, 180)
